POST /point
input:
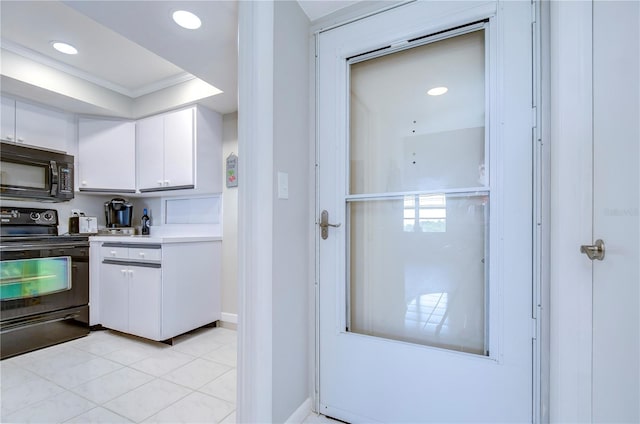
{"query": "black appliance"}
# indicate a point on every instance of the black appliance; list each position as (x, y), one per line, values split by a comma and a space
(119, 213)
(44, 281)
(31, 173)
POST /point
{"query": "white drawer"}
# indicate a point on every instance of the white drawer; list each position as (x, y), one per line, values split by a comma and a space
(145, 254)
(110, 252)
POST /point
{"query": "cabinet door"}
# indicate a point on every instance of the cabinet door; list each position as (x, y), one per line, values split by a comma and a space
(106, 155)
(114, 297)
(145, 296)
(42, 127)
(178, 149)
(150, 153)
(8, 117)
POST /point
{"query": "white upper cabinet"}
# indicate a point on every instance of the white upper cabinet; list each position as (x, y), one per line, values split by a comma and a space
(180, 150)
(106, 155)
(32, 125)
(165, 149)
(8, 115)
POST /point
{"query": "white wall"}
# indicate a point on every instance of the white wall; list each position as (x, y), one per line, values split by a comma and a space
(91, 205)
(291, 218)
(274, 236)
(229, 221)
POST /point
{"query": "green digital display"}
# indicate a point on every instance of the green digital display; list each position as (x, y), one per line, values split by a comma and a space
(24, 278)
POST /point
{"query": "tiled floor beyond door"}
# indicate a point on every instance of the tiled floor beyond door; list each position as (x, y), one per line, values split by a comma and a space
(109, 377)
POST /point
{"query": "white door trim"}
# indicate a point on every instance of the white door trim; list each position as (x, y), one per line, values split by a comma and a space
(571, 205)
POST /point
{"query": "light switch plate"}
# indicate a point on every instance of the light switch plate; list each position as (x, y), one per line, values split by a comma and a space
(283, 185)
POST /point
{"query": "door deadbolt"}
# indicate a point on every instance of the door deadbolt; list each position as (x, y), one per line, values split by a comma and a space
(324, 225)
(594, 251)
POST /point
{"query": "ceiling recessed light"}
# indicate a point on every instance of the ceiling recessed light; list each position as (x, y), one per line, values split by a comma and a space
(64, 47)
(437, 91)
(186, 19)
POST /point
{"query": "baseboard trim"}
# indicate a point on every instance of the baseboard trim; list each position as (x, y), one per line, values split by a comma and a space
(300, 414)
(227, 317)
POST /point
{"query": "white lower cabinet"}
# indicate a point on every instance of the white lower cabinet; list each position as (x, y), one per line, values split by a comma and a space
(145, 300)
(131, 299)
(114, 295)
(157, 291)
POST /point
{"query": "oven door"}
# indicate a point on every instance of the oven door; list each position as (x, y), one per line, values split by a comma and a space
(40, 278)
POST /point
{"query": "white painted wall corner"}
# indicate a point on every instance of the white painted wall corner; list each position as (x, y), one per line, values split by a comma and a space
(300, 414)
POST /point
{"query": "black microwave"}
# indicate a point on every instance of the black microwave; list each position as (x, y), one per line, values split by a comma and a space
(32, 173)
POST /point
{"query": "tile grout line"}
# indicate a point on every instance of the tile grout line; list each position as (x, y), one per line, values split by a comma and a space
(91, 355)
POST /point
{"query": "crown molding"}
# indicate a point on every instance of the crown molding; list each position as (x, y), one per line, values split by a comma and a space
(72, 70)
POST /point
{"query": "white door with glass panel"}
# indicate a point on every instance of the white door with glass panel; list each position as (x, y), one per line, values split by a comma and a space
(425, 207)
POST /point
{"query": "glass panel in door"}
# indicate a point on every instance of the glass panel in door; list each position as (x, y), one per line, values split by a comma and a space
(418, 202)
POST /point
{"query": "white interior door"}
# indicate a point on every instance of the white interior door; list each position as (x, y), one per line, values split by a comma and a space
(425, 287)
(616, 190)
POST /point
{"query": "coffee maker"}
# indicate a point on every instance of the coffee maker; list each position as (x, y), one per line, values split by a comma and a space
(119, 213)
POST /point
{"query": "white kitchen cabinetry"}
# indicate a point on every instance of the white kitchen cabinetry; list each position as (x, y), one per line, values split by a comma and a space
(115, 296)
(33, 125)
(145, 302)
(156, 290)
(180, 150)
(150, 145)
(131, 290)
(106, 155)
(8, 116)
(131, 299)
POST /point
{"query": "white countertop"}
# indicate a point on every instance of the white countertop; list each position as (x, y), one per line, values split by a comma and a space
(154, 239)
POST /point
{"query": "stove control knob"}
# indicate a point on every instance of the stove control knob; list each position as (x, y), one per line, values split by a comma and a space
(35, 216)
(48, 216)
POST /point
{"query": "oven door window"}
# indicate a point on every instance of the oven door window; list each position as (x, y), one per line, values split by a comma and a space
(25, 278)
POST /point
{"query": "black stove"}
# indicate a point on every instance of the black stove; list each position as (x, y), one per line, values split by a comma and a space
(44, 281)
(30, 226)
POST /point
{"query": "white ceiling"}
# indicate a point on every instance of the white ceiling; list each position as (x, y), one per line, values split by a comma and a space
(133, 47)
(316, 9)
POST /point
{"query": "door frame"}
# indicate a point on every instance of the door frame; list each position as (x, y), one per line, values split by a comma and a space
(541, 191)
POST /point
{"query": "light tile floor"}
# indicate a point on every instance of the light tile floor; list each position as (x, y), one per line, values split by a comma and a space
(109, 377)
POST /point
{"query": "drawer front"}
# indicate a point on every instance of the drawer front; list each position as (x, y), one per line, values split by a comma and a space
(145, 254)
(111, 252)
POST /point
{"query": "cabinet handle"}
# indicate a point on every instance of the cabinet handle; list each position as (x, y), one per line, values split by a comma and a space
(20, 140)
(113, 253)
(166, 182)
(141, 254)
(159, 182)
(84, 183)
(123, 271)
(10, 137)
(130, 272)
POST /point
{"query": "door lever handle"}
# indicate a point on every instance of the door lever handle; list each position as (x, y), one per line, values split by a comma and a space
(594, 251)
(324, 225)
